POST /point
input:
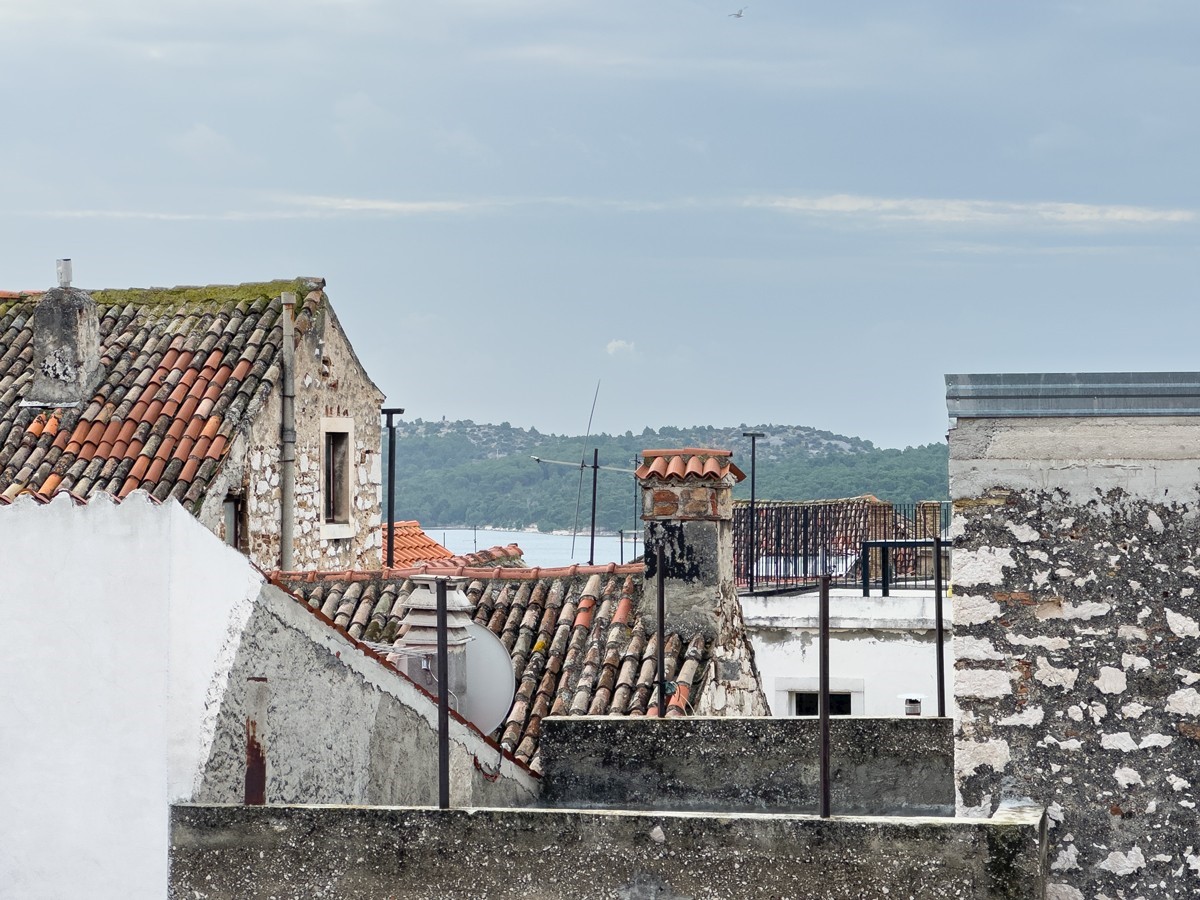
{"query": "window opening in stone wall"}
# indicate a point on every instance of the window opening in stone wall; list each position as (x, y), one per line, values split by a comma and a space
(233, 512)
(806, 703)
(336, 477)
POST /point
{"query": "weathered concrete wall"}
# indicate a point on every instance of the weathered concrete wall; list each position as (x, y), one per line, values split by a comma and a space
(1078, 642)
(882, 649)
(340, 727)
(248, 853)
(899, 766)
(1140, 455)
(330, 383)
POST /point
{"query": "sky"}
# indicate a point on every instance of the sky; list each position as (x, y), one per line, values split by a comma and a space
(807, 215)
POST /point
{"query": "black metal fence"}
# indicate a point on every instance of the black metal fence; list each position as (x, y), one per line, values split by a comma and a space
(794, 543)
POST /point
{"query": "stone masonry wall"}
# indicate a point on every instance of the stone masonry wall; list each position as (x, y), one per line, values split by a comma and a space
(1078, 661)
(330, 382)
(732, 685)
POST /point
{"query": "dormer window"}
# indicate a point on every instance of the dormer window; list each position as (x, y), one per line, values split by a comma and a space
(337, 439)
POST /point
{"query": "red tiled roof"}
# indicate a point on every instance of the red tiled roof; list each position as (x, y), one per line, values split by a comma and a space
(183, 369)
(576, 636)
(688, 462)
(507, 557)
(412, 545)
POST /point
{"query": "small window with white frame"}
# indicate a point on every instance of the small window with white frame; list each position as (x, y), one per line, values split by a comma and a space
(798, 696)
(808, 703)
(337, 443)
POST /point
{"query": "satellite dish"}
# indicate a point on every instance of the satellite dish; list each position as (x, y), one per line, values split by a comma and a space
(490, 681)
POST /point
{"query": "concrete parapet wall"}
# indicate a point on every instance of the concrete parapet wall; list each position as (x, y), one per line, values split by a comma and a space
(410, 854)
(900, 766)
(1079, 457)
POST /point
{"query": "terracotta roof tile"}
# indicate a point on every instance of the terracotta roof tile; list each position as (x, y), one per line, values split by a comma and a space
(183, 369)
(575, 635)
(688, 462)
(411, 545)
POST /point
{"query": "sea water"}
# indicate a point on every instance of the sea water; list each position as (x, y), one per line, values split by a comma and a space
(540, 548)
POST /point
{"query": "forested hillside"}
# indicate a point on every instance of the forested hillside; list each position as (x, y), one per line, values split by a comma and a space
(463, 474)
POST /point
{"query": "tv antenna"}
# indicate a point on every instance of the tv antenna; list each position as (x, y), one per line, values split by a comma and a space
(579, 491)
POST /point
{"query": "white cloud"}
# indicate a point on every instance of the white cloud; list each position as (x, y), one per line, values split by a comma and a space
(334, 205)
(859, 209)
(619, 346)
(937, 211)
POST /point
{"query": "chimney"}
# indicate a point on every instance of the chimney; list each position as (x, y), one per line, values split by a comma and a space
(687, 505)
(66, 345)
(420, 635)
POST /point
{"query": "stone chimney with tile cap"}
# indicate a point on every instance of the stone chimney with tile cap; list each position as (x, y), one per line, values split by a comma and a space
(66, 346)
(687, 505)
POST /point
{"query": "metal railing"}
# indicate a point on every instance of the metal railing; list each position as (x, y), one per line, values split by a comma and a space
(797, 542)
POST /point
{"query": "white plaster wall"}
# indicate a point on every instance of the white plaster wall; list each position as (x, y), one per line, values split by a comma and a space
(1148, 457)
(115, 618)
(879, 646)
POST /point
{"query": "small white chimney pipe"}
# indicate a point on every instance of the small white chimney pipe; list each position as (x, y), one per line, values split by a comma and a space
(64, 273)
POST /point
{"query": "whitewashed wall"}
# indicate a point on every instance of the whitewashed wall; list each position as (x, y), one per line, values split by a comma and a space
(130, 632)
(115, 618)
(880, 648)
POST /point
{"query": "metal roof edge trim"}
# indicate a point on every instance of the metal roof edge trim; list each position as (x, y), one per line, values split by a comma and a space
(1071, 394)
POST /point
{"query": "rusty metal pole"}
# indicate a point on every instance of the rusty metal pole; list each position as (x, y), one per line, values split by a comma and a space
(257, 701)
(941, 626)
(443, 679)
(662, 633)
(823, 699)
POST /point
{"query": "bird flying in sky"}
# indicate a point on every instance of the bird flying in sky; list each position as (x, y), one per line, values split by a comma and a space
(741, 12)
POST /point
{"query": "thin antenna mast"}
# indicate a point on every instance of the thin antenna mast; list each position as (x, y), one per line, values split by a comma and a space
(582, 466)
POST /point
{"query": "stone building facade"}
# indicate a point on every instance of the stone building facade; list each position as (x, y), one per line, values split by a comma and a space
(1077, 620)
(180, 392)
(334, 395)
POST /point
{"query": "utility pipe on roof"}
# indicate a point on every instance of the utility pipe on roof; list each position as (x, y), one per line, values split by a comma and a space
(287, 438)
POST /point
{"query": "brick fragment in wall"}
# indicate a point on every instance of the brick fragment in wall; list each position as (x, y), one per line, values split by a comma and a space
(1101, 726)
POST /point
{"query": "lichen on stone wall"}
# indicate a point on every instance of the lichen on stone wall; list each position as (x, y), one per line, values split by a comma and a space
(1088, 710)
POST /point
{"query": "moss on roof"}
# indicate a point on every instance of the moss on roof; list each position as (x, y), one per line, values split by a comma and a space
(184, 295)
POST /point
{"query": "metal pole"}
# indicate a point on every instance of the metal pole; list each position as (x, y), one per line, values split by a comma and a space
(443, 679)
(621, 542)
(391, 508)
(633, 556)
(662, 612)
(941, 629)
(865, 562)
(753, 555)
(823, 699)
(595, 476)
